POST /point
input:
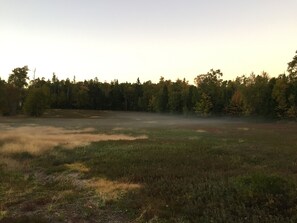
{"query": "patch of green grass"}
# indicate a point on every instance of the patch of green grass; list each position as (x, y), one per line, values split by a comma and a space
(270, 192)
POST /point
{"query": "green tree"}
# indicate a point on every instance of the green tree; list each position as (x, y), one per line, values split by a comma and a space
(19, 77)
(95, 94)
(210, 86)
(36, 101)
(292, 96)
(82, 97)
(116, 96)
(17, 81)
(175, 102)
(236, 104)
(192, 98)
(2, 94)
(129, 96)
(11, 97)
(230, 103)
(292, 67)
(256, 94)
(54, 91)
(149, 90)
(204, 105)
(178, 96)
(163, 95)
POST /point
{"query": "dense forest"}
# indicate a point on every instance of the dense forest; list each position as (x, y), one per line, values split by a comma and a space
(254, 95)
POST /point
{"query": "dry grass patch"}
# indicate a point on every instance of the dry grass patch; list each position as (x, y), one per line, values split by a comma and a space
(118, 129)
(111, 190)
(79, 167)
(201, 130)
(243, 129)
(38, 139)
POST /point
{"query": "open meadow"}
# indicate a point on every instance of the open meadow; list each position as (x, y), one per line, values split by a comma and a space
(97, 166)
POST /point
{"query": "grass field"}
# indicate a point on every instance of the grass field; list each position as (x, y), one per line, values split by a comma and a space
(91, 166)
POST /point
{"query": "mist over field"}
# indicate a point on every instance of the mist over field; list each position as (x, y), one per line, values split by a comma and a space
(88, 121)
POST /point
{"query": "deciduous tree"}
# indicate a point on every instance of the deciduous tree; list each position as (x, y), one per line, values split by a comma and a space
(36, 101)
(15, 90)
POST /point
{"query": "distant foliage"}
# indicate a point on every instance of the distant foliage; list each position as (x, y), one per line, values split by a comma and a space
(13, 92)
(36, 101)
(253, 95)
(10, 99)
(204, 105)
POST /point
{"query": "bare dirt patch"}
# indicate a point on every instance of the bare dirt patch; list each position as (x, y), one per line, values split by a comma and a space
(37, 139)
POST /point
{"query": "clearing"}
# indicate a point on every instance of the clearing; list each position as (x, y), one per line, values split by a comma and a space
(99, 166)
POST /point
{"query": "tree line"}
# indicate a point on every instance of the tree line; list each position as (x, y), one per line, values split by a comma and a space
(253, 95)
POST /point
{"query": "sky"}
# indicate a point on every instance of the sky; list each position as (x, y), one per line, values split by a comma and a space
(127, 39)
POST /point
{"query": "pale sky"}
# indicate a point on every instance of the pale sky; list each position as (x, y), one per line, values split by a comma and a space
(126, 39)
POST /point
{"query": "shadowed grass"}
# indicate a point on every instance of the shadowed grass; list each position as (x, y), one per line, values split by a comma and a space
(229, 172)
